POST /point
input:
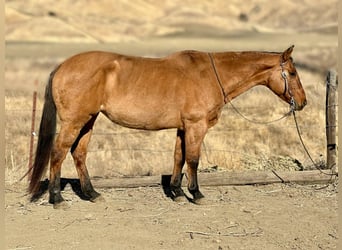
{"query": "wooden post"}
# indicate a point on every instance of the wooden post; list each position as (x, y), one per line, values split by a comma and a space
(331, 119)
(32, 131)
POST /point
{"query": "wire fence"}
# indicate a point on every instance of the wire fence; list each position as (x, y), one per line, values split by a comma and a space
(138, 148)
(234, 143)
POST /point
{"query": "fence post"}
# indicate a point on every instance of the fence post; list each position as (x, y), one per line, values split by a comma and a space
(32, 132)
(331, 105)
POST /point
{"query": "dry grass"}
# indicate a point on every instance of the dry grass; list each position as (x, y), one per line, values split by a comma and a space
(233, 144)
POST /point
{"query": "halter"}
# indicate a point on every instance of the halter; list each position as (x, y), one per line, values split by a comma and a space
(287, 89)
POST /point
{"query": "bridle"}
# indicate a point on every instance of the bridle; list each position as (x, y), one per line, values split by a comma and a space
(286, 88)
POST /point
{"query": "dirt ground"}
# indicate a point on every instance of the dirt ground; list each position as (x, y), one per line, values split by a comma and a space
(277, 216)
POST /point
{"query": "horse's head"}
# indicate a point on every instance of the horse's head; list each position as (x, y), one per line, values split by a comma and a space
(285, 81)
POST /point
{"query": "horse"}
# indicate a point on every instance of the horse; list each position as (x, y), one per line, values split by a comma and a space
(186, 90)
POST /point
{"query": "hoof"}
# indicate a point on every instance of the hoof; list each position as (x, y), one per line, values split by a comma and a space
(177, 194)
(200, 201)
(180, 199)
(61, 205)
(198, 198)
(98, 199)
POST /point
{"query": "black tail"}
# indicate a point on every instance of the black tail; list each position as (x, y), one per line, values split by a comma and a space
(47, 131)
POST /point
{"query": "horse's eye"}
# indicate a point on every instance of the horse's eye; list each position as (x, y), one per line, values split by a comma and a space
(292, 73)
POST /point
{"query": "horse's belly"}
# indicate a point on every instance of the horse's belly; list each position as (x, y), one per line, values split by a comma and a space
(143, 117)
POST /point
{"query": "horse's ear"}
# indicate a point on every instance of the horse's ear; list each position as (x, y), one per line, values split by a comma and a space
(287, 54)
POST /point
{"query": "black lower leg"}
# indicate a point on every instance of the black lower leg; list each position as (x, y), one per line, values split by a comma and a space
(194, 190)
(88, 191)
(55, 191)
(176, 187)
(193, 182)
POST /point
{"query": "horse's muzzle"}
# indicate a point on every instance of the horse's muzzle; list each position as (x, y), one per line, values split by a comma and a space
(299, 107)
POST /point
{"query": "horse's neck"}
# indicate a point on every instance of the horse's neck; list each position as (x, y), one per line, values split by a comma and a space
(241, 71)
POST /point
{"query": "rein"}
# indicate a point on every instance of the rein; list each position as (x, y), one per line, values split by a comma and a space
(218, 78)
(225, 96)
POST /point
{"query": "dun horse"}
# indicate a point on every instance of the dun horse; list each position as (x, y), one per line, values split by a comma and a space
(186, 90)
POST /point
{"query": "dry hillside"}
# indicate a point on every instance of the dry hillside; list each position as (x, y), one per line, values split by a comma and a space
(122, 21)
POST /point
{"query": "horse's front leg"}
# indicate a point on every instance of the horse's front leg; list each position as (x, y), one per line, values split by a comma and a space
(194, 135)
(179, 157)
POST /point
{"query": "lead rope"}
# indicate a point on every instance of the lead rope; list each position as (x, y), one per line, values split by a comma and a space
(307, 151)
(261, 122)
(291, 111)
(283, 74)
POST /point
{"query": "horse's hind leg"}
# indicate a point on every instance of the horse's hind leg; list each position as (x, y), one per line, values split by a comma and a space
(66, 137)
(79, 153)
